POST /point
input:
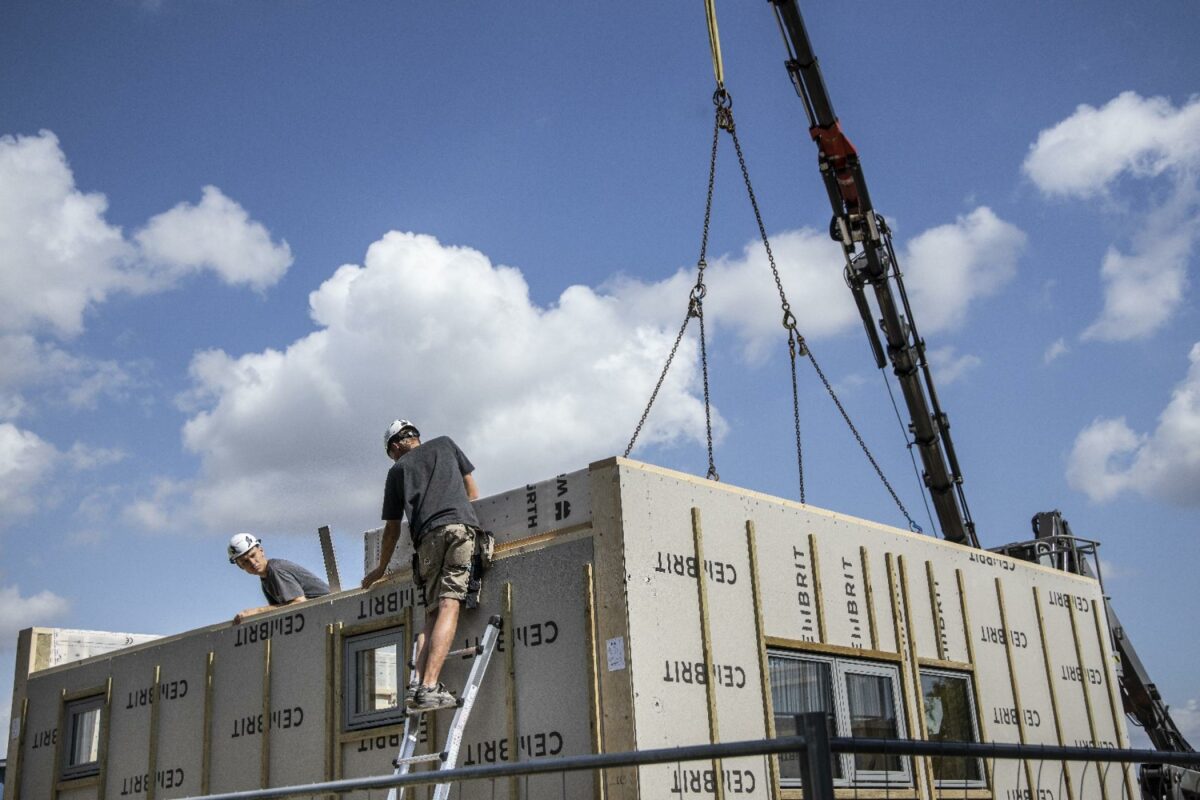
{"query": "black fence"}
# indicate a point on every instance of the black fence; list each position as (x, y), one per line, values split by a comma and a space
(814, 760)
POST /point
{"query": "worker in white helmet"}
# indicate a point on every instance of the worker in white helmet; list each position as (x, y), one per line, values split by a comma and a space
(432, 485)
(284, 583)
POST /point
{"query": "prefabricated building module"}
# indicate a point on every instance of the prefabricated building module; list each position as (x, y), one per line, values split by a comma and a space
(642, 608)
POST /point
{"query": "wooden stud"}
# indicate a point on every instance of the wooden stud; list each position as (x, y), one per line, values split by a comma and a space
(331, 724)
(1114, 702)
(510, 684)
(916, 708)
(56, 768)
(710, 691)
(152, 758)
(1058, 732)
(105, 732)
(13, 777)
(966, 621)
(338, 671)
(1016, 687)
(764, 670)
(818, 595)
(589, 621)
(935, 610)
(206, 739)
(264, 771)
(1087, 696)
(869, 593)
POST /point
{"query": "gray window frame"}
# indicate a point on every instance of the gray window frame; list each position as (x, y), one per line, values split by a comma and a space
(352, 719)
(840, 667)
(73, 712)
(968, 679)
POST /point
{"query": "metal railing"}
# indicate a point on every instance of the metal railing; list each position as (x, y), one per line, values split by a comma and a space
(815, 755)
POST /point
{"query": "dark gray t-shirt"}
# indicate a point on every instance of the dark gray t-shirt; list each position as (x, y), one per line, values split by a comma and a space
(285, 581)
(426, 485)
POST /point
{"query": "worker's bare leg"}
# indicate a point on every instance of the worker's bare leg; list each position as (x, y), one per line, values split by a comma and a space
(440, 626)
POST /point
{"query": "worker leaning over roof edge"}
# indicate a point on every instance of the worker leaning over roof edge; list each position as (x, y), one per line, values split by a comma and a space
(432, 484)
(284, 583)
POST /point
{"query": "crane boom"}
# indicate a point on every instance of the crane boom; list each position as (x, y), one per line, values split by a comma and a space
(871, 263)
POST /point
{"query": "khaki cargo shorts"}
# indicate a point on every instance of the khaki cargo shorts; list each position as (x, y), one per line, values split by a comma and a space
(445, 562)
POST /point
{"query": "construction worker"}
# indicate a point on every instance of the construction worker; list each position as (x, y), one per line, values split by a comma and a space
(283, 582)
(432, 485)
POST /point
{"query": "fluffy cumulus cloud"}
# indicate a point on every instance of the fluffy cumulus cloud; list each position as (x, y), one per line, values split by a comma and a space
(219, 235)
(26, 460)
(949, 267)
(17, 612)
(59, 256)
(440, 335)
(1110, 458)
(1135, 137)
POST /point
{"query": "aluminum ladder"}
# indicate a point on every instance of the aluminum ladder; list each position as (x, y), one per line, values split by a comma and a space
(482, 653)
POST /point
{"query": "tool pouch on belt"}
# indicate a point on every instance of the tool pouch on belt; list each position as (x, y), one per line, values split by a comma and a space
(481, 560)
(416, 576)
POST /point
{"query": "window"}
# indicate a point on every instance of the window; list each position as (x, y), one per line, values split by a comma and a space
(373, 677)
(950, 717)
(859, 698)
(81, 756)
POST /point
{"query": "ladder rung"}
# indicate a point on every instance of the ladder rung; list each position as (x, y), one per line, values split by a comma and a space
(467, 652)
(419, 759)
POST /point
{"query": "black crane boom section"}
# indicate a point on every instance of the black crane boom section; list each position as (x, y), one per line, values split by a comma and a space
(871, 263)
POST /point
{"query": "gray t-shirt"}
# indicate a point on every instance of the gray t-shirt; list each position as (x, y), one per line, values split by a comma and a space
(426, 485)
(285, 581)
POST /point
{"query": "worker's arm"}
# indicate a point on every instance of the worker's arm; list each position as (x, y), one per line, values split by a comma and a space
(391, 535)
(469, 485)
(250, 612)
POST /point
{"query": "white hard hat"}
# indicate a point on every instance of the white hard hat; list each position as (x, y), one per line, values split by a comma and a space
(240, 544)
(399, 426)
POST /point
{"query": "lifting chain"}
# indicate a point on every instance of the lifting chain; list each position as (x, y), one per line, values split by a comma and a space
(797, 346)
(796, 343)
(696, 305)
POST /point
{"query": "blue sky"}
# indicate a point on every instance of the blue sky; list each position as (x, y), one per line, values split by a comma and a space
(236, 239)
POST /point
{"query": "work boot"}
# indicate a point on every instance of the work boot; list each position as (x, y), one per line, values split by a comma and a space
(410, 694)
(431, 698)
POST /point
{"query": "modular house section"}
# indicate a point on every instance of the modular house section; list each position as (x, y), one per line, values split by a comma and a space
(642, 608)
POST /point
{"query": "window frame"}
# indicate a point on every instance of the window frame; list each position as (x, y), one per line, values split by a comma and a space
(75, 709)
(839, 667)
(973, 712)
(353, 644)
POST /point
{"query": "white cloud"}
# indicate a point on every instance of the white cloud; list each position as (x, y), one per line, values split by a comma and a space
(949, 366)
(1055, 351)
(1144, 288)
(1089, 150)
(58, 255)
(1187, 717)
(950, 266)
(26, 460)
(1143, 138)
(1110, 458)
(437, 334)
(17, 612)
(28, 364)
(217, 234)
(742, 295)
